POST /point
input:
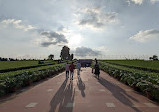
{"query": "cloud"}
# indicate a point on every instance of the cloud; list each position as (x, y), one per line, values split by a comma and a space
(18, 24)
(46, 44)
(139, 2)
(48, 37)
(95, 17)
(146, 35)
(84, 51)
(154, 1)
(103, 49)
(61, 28)
(52, 38)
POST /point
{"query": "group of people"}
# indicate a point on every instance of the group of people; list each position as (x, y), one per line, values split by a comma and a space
(70, 68)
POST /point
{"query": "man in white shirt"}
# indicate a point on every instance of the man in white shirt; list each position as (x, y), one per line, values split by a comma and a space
(78, 68)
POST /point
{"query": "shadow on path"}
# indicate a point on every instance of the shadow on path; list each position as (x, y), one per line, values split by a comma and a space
(63, 100)
(81, 86)
(118, 93)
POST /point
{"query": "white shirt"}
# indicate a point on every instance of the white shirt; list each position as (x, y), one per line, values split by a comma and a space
(78, 65)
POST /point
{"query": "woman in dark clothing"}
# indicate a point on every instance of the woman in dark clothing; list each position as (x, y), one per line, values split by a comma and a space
(97, 69)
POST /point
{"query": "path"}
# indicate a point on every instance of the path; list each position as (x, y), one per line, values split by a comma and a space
(85, 94)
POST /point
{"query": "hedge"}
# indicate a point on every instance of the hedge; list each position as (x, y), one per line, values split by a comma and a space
(147, 84)
(11, 83)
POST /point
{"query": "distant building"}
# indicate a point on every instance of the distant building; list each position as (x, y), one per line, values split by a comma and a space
(85, 62)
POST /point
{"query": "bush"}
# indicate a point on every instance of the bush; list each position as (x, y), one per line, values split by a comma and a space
(155, 92)
(2, 88)
(13, 82)
(139, 81)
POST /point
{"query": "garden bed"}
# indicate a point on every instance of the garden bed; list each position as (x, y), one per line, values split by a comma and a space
(11, 83)
(145, 83)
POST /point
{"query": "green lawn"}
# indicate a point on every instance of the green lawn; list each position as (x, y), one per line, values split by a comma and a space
(31, 69)
(131, 69)
(137, 63)
(18, 64)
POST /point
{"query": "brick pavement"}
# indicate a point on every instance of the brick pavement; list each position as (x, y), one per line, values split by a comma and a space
(84, 94)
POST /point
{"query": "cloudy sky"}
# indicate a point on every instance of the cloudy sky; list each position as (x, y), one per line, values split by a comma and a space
(90, 28)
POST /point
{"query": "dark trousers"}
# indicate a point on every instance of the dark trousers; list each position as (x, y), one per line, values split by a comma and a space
(67, 74)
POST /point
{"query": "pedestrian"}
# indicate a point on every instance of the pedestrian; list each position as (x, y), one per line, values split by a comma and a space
(67, 70)
(78, 68)
(71, 67)
(93, 65)
(97, 69)
(85, 65)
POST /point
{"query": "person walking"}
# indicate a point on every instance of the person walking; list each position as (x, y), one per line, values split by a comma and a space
(78, 68)
(71, 67)
(67, 70)
(97, 69)
(93, 65)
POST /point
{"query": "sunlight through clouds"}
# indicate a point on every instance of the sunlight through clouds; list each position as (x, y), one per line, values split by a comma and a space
(107, 26)
(74, 40)
(137, 1)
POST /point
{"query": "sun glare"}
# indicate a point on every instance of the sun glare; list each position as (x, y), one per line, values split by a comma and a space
(75, 40)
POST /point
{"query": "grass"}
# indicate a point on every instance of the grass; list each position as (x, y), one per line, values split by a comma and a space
(21, 71)
(18, 64)
(131, 69)
(137, 63)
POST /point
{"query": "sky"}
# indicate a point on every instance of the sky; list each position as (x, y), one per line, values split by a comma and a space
(103, 29)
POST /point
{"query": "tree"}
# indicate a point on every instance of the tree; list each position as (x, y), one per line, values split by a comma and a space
(65, 53)
(51, 57)
(150, 58)
(154, 57)
(71, 57)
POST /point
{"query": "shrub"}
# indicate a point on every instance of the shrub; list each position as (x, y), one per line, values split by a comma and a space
(13, 82)
(2, 88)
(139, 81)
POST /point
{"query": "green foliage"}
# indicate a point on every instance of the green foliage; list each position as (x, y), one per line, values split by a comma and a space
(144, 81)
(9, 83)
(155, 92)
(3, 75)
(2, 88)
(4, 65)
(137, 63)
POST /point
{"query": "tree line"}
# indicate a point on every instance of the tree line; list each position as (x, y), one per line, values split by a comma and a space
(64, 55)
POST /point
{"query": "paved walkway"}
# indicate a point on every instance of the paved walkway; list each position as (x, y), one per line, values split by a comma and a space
(85, 94)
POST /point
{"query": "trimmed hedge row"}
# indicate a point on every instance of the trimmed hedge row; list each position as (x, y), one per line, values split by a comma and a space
(147, 84)
(134, 67)
(22, 68)
(10, 84)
